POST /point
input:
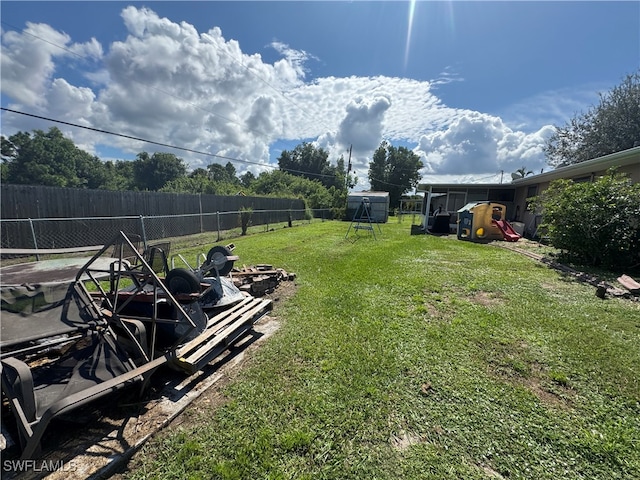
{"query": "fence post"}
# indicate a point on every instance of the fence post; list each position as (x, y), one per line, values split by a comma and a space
(218, 218)
(35, 241)
(200, 201)
(144, 233)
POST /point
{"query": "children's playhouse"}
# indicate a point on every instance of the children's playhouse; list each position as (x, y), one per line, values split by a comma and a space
(485, 221)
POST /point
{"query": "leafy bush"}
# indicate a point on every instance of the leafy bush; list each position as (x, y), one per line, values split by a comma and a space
(595, 223)
(245, 219)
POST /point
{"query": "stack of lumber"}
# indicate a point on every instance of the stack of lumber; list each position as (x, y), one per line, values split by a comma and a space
(261, 279)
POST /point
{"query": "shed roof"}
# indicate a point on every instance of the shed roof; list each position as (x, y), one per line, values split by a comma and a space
(365, 193)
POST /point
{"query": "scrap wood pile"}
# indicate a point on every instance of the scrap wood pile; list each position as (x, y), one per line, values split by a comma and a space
(630, 284)
(261, 279)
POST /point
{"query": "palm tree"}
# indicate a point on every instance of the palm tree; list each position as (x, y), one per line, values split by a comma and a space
(523, 172)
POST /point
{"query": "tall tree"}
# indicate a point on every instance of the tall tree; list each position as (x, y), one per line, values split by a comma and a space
(395, 170)
(309, 161)
(153, 172)
(247, 179)
(50, 159)
(523, 172)
(199, 183)
(226, 173)
(119, 175)
(611, 126)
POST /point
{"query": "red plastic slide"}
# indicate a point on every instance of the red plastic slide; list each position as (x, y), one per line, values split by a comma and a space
(508, 233)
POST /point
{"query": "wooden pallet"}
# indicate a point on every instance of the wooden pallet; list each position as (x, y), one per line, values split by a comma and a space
(223, 329)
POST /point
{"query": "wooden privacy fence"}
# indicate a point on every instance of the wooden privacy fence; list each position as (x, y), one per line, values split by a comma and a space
(49, 217)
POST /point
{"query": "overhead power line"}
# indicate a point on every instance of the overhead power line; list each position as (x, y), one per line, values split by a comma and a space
(162, 144)
(177, 97)
(190, 150)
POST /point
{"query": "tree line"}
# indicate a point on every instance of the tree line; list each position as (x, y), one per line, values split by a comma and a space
(50, 159)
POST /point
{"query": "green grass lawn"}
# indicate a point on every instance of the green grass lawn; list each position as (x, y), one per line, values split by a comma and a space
(420, 357)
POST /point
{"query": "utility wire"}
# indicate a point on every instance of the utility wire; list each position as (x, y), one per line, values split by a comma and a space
(177, 97)
(153, 142)
(245, 67)
(45, 40)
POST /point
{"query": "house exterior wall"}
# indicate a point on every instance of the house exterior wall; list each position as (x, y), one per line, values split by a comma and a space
(633, 171)
(627, 162)
(451, 195)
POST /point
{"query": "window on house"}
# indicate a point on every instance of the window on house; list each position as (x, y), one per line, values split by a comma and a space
(582, 179)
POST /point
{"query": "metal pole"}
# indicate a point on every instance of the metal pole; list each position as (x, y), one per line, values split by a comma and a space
(35, 241)
(144, 233)
(218, 217)
(200, 201)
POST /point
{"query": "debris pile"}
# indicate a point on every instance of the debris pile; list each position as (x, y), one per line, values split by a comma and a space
(260, 280)
(630, 284)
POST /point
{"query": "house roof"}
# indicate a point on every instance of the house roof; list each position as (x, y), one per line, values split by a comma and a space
(625, 157)
(424, 187)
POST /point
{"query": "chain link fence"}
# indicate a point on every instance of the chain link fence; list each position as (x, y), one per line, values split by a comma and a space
(52, 233)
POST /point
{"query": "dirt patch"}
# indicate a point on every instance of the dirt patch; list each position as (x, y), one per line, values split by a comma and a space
(404, 440)
(490, 472)
(513, 363)
(487, 299)
(436, 306)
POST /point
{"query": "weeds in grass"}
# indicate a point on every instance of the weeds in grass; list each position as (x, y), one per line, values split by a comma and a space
(421, 357)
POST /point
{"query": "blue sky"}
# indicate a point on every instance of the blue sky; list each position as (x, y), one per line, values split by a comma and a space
(474, 88)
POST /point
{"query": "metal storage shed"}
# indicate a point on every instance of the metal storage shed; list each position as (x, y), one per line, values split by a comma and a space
(378, 201)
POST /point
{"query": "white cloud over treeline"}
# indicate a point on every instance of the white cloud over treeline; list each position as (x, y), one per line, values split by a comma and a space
(170, 83)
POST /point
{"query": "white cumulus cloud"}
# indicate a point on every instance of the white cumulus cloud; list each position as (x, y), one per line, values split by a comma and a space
(170, 83)
(480, 144)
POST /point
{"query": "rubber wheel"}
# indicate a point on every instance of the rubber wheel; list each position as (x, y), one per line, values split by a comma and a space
(218, 257)
(180, 280)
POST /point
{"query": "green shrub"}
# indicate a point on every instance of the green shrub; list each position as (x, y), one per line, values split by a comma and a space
(308, 214)
(245, 218)
(594, 223)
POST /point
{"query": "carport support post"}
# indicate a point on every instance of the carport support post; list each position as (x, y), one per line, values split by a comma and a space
(35, 241)
(427, 206)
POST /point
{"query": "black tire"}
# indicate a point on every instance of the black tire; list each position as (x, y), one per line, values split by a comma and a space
(180, 281)
(218, 257)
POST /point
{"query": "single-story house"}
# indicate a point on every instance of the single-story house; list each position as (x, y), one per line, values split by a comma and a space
(450, 197)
